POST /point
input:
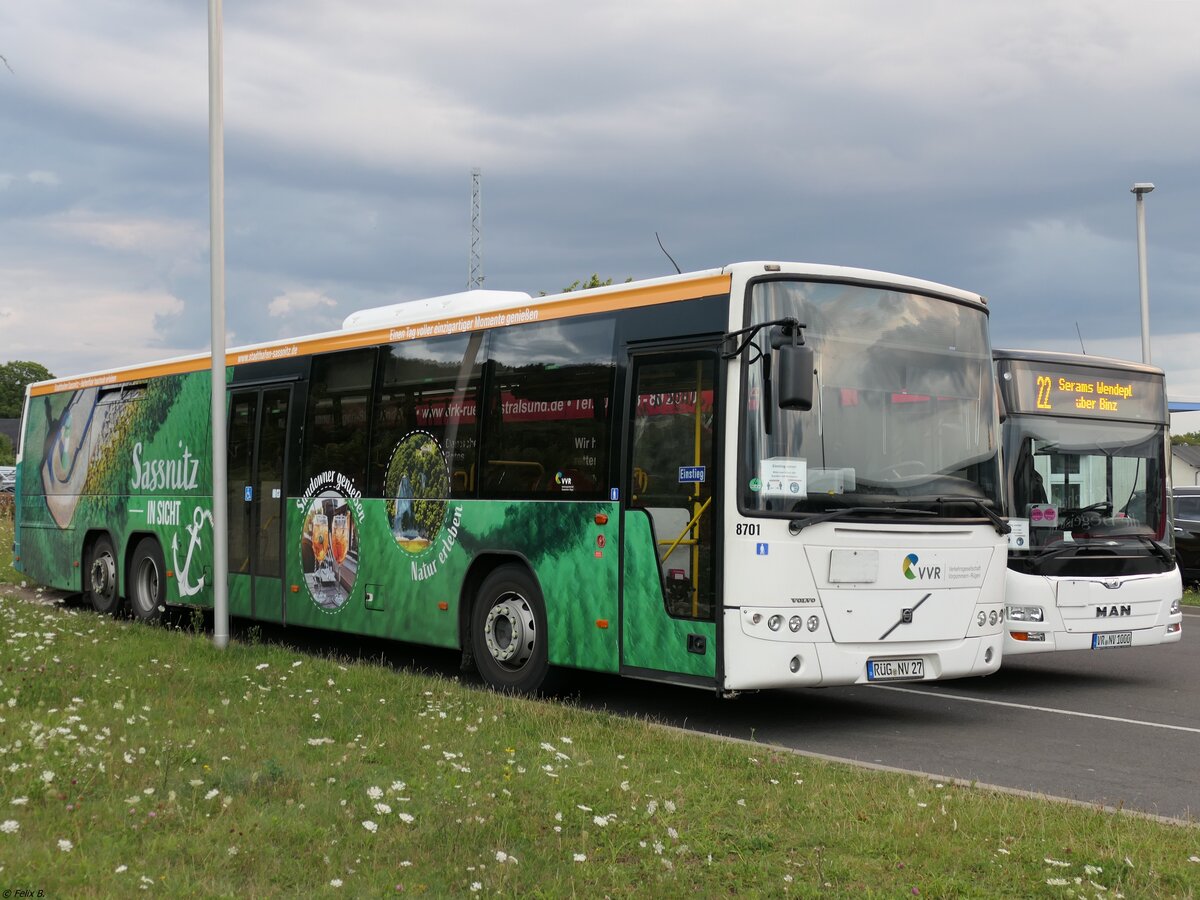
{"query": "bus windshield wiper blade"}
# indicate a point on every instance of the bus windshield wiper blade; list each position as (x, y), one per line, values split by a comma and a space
(798, 525)
(998, 523)
(1155, 547)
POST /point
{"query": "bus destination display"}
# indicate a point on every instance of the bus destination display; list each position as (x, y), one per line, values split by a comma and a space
(1083, 391)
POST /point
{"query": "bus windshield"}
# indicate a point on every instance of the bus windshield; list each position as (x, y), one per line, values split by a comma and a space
(903, 410)
(1080, 482)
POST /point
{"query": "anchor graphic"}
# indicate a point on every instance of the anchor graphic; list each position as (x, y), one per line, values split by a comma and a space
(198, 517)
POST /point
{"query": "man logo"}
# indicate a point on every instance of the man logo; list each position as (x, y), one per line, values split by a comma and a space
(912, 571)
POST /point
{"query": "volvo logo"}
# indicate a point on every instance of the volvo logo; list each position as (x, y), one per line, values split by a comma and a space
(906, 616)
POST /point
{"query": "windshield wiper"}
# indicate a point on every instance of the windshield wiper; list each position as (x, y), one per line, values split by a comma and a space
(798, 525)
(998, 523)
(1155, 547)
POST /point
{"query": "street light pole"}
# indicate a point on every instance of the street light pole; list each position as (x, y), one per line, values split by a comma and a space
(1141, 189)
(216, 189)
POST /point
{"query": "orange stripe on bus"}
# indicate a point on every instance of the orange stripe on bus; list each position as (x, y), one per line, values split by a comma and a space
(546, 310)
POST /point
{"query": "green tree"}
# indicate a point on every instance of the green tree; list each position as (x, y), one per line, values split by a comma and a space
(14, 376)
(593, 282)
(1190, 437)
(8, 454)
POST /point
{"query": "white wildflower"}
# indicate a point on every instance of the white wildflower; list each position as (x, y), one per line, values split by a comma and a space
(10, 826)
(65, 846)
(370, 826)
(580, 857)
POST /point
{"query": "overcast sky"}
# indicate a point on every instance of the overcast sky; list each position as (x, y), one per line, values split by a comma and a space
(991, 146)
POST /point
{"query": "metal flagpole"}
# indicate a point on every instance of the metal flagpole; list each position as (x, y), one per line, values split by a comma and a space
(216, 190)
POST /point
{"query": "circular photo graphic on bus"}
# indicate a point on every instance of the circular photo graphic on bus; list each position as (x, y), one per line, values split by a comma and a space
(417, 485)
(329, 550)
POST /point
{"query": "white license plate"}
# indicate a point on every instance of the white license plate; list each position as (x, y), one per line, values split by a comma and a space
(1101, 641)
(895, 669)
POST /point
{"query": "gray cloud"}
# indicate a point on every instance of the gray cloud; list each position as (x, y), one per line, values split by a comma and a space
(990, 147)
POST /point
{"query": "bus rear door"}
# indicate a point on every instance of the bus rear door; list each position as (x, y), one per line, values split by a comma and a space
(258, 419)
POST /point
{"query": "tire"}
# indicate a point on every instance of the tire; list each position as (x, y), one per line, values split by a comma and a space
(148, 581)
(101, 582)
(508, 631)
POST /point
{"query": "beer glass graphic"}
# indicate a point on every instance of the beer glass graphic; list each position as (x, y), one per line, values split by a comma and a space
(340, 539)
(320, 538)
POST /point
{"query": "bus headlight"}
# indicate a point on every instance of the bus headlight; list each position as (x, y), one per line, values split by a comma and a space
(1025, 614)
(813, 623)
(775, 623)
(795, 623)
(1175, 606)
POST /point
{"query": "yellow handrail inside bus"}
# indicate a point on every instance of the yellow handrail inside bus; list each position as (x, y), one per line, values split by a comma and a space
(686, 528)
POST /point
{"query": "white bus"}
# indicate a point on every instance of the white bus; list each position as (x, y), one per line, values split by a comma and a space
(758, 476)
(1087, 460)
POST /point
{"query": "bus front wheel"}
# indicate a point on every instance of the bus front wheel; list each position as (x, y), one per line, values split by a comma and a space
(508, 631)
(147, 582)
(100, 585)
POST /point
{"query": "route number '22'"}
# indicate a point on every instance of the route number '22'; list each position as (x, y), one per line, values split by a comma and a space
(1043, 388)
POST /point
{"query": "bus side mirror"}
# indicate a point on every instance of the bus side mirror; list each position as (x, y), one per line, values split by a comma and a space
(795, 377)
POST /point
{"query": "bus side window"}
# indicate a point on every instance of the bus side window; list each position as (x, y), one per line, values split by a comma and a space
(338, 415)
(547, 410)
(427, 387)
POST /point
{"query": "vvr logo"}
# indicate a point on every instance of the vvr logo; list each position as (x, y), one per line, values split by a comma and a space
(912, 571)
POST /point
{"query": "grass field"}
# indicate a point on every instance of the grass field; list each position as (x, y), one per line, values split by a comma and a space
(141, 758)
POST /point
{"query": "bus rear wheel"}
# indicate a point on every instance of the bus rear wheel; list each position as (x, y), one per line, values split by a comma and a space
(100, 581)
(147, 581)
(508, 631)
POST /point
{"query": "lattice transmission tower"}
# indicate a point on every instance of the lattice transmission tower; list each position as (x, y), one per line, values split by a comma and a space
(475, 268)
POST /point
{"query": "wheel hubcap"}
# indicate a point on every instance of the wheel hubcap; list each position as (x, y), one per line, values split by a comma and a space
(509, 630)
(147, 584)
(104, 575)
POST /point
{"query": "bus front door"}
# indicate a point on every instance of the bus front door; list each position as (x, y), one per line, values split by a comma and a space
(669, 602)
(257, 440)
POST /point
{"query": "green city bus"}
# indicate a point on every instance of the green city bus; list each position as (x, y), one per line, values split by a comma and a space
(763, 475)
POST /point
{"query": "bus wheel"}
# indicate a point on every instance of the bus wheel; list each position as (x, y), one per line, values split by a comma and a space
(508, 631)
(101, 579)
(147, 581)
